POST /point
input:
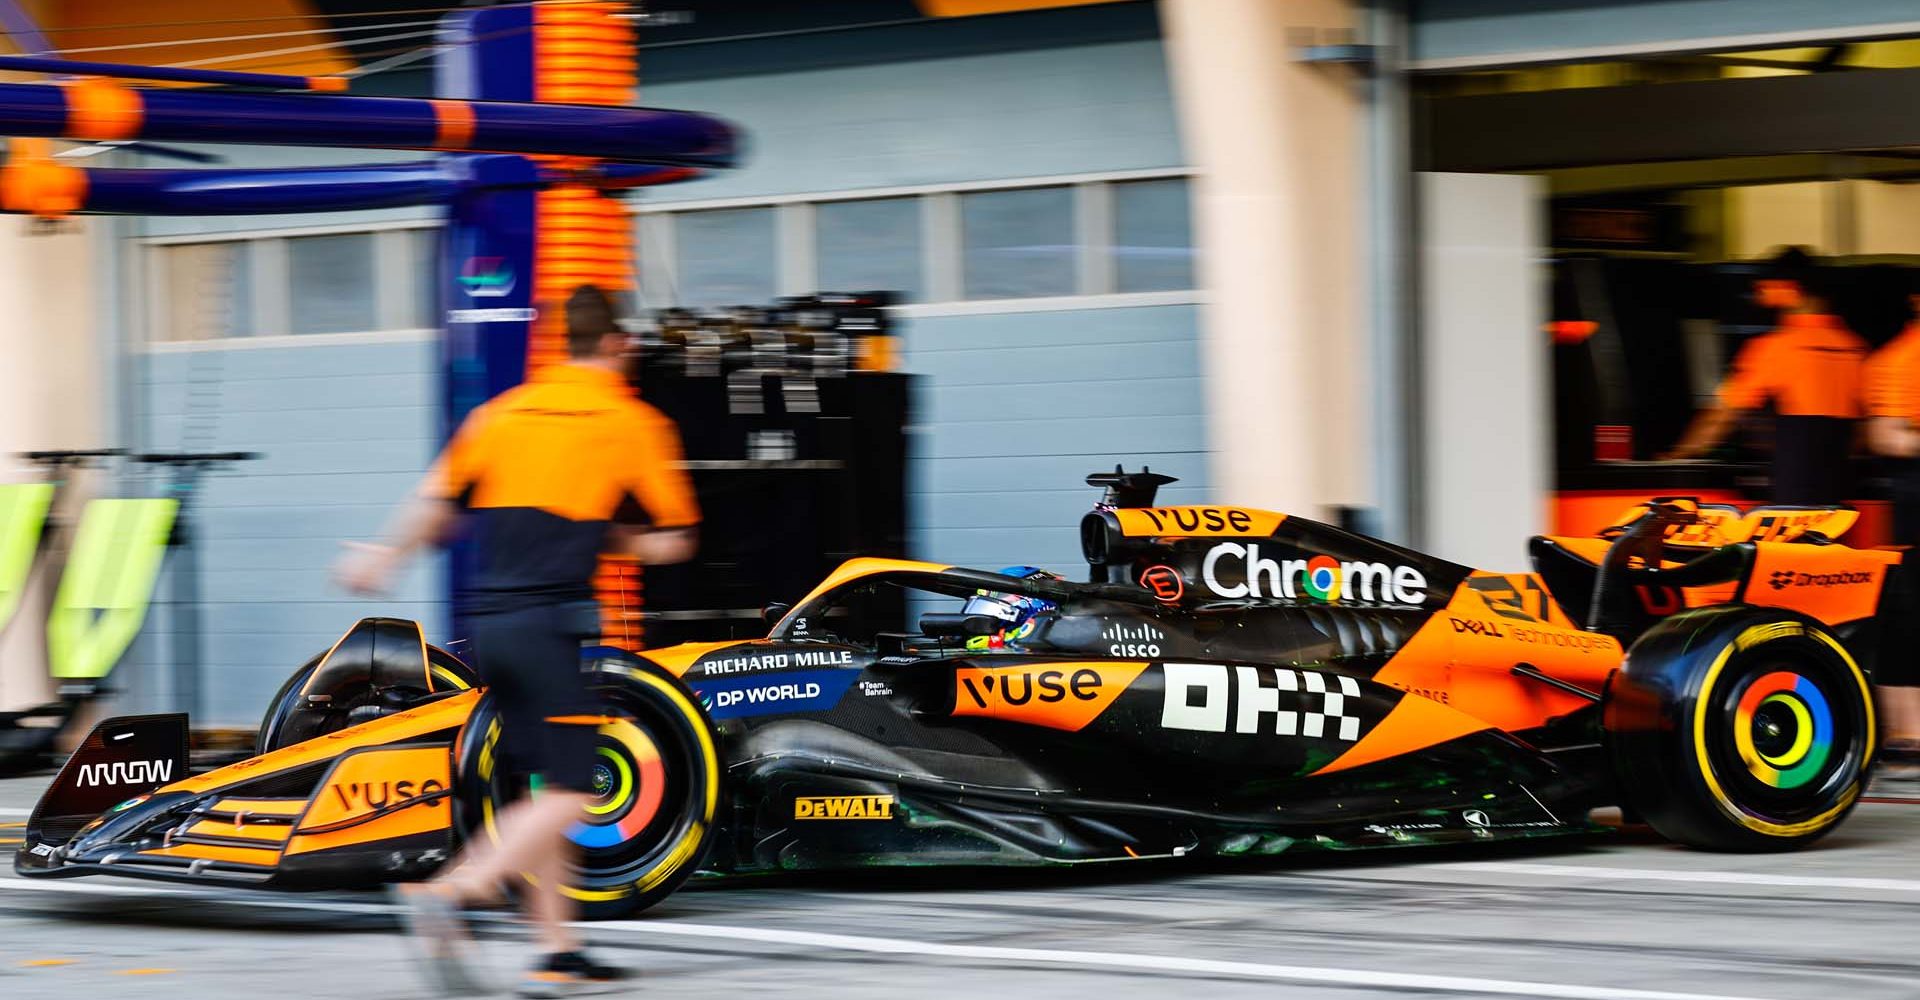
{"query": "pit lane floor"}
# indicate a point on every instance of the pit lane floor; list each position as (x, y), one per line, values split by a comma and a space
(1615, 918)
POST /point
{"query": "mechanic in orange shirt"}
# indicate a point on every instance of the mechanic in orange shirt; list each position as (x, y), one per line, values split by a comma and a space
(550, 473)
(1893, 431)
(1809, 370)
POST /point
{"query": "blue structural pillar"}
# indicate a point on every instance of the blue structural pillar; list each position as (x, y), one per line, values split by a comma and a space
(486, 254)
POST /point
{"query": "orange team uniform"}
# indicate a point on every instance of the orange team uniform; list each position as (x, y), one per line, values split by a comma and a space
(1893, 390)
(546, 468)
(1810, 371)
(1893, 377)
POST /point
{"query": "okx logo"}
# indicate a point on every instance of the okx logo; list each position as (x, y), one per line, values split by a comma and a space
(1054, 695)
(1211, 698)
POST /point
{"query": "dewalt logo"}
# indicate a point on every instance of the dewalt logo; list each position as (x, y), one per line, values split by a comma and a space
(843, 807)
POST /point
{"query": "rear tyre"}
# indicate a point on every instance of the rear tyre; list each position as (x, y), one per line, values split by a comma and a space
(1740, 729)
(657, 781)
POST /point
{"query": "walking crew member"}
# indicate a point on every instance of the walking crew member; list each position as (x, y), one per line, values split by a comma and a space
(553, 473)
(1809, 369)
(1893, 430)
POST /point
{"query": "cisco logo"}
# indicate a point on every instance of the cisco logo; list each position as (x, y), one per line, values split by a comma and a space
(1139, 640)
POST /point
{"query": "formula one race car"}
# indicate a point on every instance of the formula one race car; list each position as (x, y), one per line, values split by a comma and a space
(1232, 682)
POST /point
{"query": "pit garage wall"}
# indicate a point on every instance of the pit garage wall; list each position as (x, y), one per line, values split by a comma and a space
(1014, 407)
(51, 375)
(1487, 426)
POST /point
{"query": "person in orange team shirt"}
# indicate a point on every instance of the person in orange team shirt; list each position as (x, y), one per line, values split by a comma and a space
(1893, 431)
(1809, 370)
(551, 474)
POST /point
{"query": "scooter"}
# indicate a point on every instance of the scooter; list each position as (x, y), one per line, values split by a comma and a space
(105, 591)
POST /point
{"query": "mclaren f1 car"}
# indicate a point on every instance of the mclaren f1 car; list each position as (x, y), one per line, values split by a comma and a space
(1229, 682)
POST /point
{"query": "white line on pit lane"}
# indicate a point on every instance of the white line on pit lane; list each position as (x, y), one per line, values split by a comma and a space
(10, 811)
(1030, 956)
(1596, 873)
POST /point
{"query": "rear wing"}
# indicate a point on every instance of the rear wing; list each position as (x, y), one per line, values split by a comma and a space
(1713, 525)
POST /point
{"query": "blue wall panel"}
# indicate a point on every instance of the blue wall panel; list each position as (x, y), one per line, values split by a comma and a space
(1014, 410)
(346, 430)
(1081, 109)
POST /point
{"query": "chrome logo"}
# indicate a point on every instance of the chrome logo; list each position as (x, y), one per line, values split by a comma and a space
(1322, 580)
(1783, 728)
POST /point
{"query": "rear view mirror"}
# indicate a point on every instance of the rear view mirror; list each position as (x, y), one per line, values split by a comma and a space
(772, 613)
(948, 626)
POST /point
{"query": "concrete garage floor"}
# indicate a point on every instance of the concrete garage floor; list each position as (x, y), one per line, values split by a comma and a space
(1619, 918)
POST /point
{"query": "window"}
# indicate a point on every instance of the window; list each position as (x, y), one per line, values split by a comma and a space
(1017, 244)
(330, 284)
(348, 282)
(1152, 236)
(1090, 236)
(423, 309)
(726, 256)
(209, 291)
(869, 245)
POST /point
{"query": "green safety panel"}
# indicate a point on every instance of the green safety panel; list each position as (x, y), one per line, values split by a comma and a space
(23, 515)
(103, 597)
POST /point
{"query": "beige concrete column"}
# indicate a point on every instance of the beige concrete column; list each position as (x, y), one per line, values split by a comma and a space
(1277, 144)
(51, 388)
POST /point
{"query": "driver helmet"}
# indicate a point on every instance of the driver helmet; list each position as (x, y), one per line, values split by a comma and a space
(1014, 612)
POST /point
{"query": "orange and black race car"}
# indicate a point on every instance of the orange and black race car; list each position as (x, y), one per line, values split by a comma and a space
(1230, 682)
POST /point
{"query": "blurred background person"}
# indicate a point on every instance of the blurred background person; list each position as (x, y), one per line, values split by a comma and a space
(1893, 432)
(554, 472)
(1808, 370)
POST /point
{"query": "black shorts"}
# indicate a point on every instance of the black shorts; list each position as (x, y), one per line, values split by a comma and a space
(529, 658)
(1899, 664)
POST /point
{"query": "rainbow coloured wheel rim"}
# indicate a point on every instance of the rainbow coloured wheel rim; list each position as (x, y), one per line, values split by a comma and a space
(1783, 728)
(629, 784)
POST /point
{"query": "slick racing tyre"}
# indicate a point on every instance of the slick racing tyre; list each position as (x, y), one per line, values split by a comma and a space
(1740, 729)
(291, 718)
(657, 787)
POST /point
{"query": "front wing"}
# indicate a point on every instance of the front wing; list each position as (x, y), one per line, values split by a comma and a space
(368, 804)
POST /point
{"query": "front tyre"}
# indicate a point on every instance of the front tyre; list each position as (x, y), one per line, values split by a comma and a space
(657, 786)
(1740, 729)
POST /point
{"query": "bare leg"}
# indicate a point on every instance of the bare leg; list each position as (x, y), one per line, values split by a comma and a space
(533, 840)
(1902, 708)
(549, 908)
(477, 855)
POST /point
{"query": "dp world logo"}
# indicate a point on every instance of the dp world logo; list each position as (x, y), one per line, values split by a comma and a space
(486, 277)
(1476, 819)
